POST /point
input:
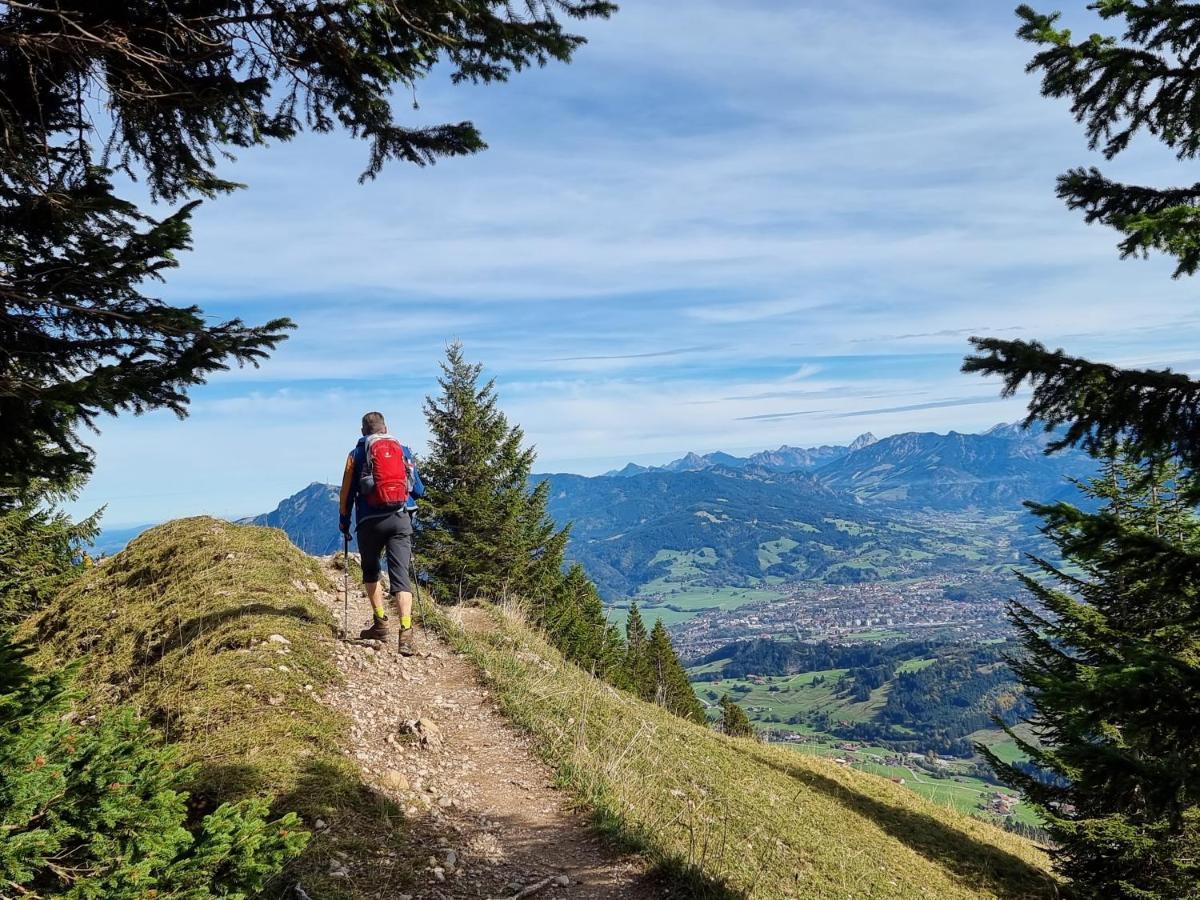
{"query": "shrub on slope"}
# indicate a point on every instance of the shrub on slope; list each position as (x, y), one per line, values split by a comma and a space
(95, 810)
(212, 632)
(738, 818)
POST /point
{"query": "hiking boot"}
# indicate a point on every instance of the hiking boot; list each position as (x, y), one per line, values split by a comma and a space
(377, 632)
(407, 648)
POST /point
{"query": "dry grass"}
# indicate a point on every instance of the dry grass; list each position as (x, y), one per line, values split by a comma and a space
(180, 625)
(737, 818)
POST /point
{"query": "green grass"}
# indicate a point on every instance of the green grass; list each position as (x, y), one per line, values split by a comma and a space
(674, 603)
(959, 791)
(684, 565)
(772, 552)
(715, 666)
(796, 696)
(874, 634)
(739, 818)
(179, 625)
(1002, 745)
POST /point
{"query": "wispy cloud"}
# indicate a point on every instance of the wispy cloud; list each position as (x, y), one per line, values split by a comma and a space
(652, 355)
(768, 417)
(945, 332)
(914, 407)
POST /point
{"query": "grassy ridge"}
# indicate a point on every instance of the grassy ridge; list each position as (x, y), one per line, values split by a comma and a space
(212, 631)
(739, 818)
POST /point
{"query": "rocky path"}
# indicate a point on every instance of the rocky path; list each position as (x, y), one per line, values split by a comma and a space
(482, 813)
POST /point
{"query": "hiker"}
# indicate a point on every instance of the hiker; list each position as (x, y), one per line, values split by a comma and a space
(382, 484)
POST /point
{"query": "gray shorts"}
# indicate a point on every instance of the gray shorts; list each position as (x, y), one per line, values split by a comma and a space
(391, 533)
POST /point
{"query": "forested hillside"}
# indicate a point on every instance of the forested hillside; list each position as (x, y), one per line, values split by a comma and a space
(309, 518)
(912, 696)
(910, 505)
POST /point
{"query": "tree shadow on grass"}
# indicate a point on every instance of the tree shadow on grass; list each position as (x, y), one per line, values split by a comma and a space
(972, 861)
(363, 832)
(185, 633)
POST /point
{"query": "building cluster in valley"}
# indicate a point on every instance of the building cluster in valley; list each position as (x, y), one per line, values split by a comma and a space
(917, 609)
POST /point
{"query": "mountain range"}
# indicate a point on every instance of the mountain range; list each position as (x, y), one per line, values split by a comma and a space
(785, 459)
(909, 505)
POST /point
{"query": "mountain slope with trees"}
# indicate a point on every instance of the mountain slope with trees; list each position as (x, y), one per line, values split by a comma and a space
(996, 470)
(886, 509)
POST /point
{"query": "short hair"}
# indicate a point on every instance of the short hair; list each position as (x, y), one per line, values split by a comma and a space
(373, 423)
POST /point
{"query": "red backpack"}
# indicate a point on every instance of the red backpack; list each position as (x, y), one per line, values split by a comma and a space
(386, 473)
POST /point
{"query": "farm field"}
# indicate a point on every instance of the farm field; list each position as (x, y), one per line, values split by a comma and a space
(1001, 744)
(958, 791)
(681, 604)
(774, 700)
(799, 704)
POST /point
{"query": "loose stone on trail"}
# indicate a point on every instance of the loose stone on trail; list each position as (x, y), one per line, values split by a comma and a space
(426, 732)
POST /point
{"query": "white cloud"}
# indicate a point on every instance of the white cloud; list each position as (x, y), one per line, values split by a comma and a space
(713, 220)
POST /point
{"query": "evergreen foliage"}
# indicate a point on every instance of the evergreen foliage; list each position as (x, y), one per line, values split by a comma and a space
(39, 550)
(1095, 404)
(671, 688)
(1112, 653)
(484, 532)
(183, 85)
(575, 618)
(652, 670)
(1110, 666)
(1144, 81)
(98, 811)
(638, 674)
(734, 721)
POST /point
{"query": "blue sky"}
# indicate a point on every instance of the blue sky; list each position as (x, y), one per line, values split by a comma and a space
(714, 230)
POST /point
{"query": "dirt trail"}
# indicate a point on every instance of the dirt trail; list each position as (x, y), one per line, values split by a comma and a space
(482, 815)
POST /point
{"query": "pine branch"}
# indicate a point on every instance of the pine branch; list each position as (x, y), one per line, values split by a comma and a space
(1154, 411)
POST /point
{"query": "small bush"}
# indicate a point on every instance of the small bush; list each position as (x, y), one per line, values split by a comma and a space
(98, 810)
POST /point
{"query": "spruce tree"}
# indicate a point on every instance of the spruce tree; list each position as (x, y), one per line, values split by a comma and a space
(482, 530)
(1144, 81)
(734, 721)
(1110, 666)
(98, 810)
(181, 86)
(40, 550)
(1119, 642)
(575, 622)
(485, 533)
(638, 674)
(671, 688)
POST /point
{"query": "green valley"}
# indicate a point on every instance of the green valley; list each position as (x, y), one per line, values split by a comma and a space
(907, 711)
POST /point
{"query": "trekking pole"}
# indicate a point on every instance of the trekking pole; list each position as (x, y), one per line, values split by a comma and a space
(345, 586)
(412, 574)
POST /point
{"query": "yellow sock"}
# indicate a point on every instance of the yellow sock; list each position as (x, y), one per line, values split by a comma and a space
(406, 621)
(380, 612)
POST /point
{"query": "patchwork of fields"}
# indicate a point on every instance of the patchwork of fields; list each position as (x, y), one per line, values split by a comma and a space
(784, 708)
(955, 789)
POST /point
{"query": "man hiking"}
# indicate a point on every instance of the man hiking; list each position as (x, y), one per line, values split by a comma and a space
(382, 484)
